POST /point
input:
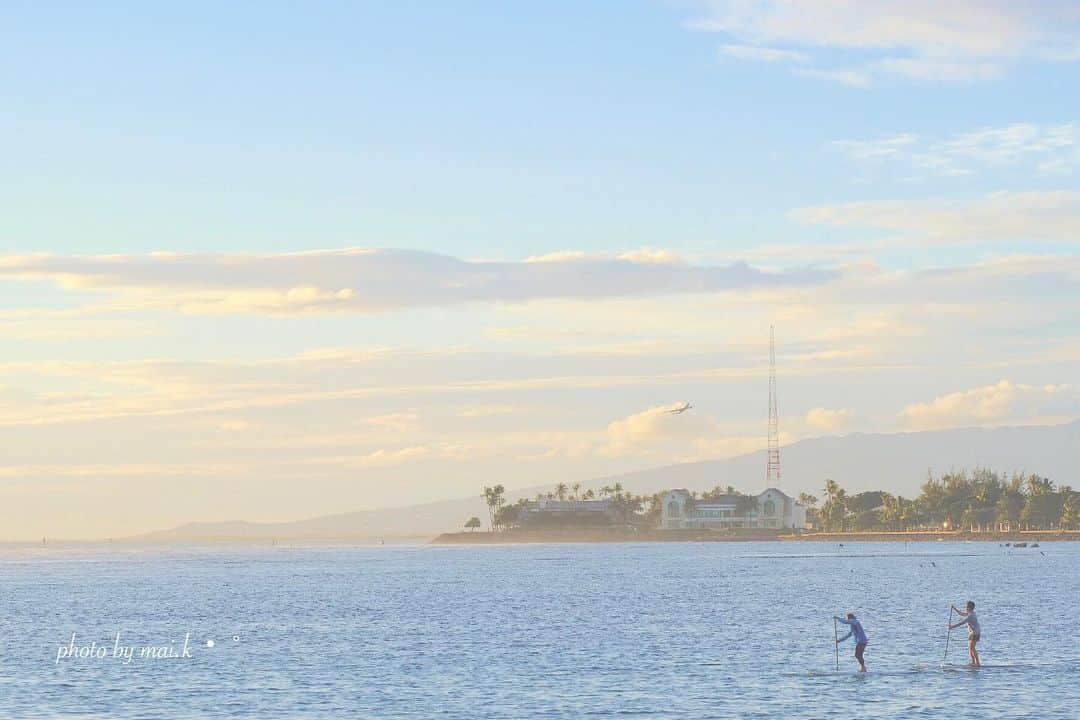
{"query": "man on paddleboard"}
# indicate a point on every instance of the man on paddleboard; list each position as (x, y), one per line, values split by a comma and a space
(974, 631)
(860, 637)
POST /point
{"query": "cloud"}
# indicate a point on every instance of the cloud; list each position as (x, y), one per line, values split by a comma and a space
(936, 70)
(831, 420)
(482, 411)
(992, 404)
(1052, 216)
(1053, 149)
(389, 458)
(401, 422)
(643, 431)
(924, 40)
(763, 54)
(875, 149)
(657, 257)
(852, 77)
(558, 256)
(360, 280)
(47, 471)
(659, 434)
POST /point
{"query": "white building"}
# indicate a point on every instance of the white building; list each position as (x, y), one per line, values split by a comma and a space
(549, 512)
(773, 509)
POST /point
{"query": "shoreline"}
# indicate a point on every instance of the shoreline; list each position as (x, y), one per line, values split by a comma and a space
(532, 538)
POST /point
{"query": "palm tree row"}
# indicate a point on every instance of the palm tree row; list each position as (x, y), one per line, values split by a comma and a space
(980, 502)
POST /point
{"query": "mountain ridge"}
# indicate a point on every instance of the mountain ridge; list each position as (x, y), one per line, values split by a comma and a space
(896, 462)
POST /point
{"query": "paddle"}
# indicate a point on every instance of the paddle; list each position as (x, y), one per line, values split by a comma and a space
(947, 634)
(836, 643)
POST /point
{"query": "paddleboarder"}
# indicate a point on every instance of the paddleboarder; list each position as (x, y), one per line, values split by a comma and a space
(974, 631)
(860, 637)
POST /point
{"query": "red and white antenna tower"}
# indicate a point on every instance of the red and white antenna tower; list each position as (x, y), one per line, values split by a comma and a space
(772, 467)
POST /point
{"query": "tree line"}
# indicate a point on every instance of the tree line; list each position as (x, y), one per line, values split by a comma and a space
(641, 511)
(982, 501)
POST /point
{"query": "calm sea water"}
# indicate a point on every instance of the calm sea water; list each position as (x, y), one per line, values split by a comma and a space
(560, 631)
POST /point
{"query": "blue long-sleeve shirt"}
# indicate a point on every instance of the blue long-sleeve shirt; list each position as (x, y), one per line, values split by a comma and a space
(856, 630)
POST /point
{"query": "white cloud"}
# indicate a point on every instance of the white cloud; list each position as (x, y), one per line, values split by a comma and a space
(1039, 148)
(831, 420)
(1052, 216)
(483, 411)
(663, 436)
(390, 458)
(852, 77)
(874, 149)
(148, 470)
(401, 422)
(936, 70)
(298, 430)
(558, 256)
(360, 280)
(1002, 402)
(644, 432)
(925, 40)
(658, 257)
(763, 54)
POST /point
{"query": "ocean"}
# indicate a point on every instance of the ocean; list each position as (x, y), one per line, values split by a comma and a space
(661, 630)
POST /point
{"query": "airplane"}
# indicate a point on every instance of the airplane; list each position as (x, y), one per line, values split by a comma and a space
(681, 409)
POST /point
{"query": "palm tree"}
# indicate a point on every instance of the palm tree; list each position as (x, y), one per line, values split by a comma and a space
(970, 518)
(891, 510)
(628, 506)
(1070, 508)
(561, 490)
(1008, 508)
(1039, 485)
(495, 500)
(576, 487)
(834, 509)
(745, 505)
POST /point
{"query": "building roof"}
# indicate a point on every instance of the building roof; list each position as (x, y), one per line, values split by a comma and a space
(719, 500)
(549, 505)
(727, 499)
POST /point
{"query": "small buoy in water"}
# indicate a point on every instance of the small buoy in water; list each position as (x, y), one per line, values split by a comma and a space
(209, 643)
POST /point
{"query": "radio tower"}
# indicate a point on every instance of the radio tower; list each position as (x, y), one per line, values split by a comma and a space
(772, 467)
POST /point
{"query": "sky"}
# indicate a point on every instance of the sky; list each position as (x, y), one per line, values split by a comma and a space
(267, 261)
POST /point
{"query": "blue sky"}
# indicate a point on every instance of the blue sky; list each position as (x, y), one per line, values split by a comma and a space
(186, 188)
(474, 129)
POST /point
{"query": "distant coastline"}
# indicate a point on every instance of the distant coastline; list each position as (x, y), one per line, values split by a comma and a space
(601, 536)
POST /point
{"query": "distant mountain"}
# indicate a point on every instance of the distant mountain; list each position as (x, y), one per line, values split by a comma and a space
(896, 462)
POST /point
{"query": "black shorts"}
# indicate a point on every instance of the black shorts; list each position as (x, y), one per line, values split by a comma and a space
(974, 637)
(859, 651)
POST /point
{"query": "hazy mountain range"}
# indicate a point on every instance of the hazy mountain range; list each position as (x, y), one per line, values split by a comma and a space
(895, 462)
